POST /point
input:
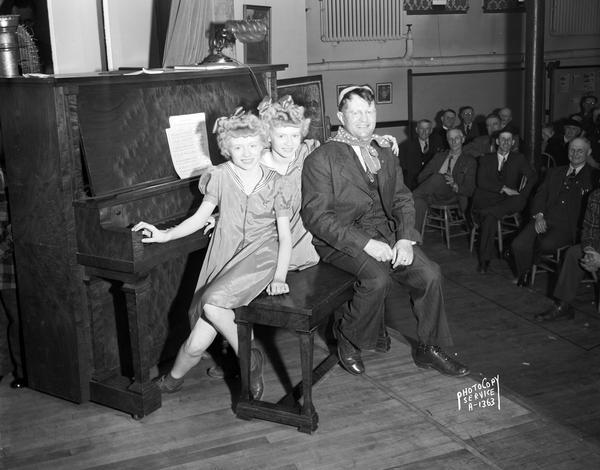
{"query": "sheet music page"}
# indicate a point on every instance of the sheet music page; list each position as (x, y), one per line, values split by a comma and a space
(188, 144)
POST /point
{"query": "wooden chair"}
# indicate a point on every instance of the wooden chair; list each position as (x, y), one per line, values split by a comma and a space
(508, 224)
(548, 160)
(548, 263)
(443, 217)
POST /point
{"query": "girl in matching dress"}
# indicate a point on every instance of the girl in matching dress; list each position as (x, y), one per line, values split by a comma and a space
(287, 131)
(249, 250)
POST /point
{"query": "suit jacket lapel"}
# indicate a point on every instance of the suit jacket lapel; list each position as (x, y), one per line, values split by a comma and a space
(351, 169)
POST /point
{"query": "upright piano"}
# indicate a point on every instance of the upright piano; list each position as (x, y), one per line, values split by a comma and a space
(87, 157)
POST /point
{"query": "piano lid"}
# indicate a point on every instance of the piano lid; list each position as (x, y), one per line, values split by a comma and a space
(122, 124)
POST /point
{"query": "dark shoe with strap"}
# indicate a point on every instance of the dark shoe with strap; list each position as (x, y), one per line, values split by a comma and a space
(348, 354)
(169, 384)
(558, 311)
(432, 357)
(257, 385)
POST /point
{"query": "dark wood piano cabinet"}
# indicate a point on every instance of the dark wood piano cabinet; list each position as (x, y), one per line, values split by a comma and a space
(86, 158)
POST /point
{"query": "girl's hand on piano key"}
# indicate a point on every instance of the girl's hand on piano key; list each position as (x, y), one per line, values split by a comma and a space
(151, 233)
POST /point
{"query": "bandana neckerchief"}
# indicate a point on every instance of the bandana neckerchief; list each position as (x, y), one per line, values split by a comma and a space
(368, 152)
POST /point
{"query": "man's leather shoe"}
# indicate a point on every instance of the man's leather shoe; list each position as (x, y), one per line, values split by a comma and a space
(483, 266)
(384, 342)
(348, 354)
(432, 357)
(18, 382)
(558, 311)
(257, 385)
(524, 280)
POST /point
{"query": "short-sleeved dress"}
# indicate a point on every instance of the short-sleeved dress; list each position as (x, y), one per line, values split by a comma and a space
(242, 255)
(304, 253)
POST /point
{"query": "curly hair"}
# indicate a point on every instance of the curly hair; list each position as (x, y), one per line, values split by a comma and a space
(239, 124)
(283, 113)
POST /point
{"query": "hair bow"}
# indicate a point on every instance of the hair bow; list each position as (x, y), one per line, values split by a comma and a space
(237, 114)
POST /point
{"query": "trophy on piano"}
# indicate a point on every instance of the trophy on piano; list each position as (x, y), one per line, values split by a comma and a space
(225, 34)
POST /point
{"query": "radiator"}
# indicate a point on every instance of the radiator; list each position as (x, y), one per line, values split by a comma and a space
(570, 17)
(361, 20)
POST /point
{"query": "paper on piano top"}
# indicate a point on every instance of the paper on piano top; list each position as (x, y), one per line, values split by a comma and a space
(188, 144)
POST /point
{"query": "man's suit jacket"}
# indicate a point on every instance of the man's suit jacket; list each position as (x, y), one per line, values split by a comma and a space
(490, 181)
(464, 171)
(471, 133)
(479, 146)
(566, 208)
(335, 195)
(413, 160)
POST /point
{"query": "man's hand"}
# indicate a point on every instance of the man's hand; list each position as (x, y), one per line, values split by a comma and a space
(450, 182)
(591, 260)
(509, 191)
(540, 224)
(403, 253)
(378, 250)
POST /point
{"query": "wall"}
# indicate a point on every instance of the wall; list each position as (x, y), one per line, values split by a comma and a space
(442, 43)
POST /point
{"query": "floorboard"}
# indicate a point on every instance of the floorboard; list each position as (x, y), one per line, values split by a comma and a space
(395, 416)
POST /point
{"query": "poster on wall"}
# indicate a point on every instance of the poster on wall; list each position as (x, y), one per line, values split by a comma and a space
(564, 82)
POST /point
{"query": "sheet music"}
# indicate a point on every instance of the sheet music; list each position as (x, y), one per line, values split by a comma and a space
(188, 144)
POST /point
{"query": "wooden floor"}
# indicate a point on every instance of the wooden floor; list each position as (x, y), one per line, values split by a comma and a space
(394, 416)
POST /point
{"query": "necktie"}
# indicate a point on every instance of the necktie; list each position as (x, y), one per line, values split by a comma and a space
(502, 163)
(571, 175)
(449, 168)
(371, 162)
(426, 147)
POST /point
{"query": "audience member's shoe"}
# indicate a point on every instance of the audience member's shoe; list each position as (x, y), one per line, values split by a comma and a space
(169, 384)
(384, 342)
(18, 382)
(257, 385)
(432, 357)
(556, 312)
(524, 280)
(483, 266)
(348, 354)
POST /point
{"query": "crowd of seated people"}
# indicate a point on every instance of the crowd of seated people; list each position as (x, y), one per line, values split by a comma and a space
(484, 171)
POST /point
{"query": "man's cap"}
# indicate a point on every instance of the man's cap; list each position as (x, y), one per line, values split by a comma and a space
(348, 89)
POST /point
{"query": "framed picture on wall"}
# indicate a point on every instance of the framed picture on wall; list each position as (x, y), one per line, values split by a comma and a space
(383, 93)
(308, 92)
(258, 52)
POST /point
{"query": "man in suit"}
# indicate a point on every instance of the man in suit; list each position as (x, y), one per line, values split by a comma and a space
(499, 192)
(558, 144)
(448, 178)
(419, 152)
(362, 216)
(579, 259)
(507, 124)
(557, 210)
(467, 123)
(448, 121)
(485, 143)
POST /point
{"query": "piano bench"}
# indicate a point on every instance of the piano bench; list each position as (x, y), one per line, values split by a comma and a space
(314, 295)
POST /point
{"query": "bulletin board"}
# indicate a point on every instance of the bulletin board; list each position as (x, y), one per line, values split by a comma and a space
(568, 85)
(485, 90)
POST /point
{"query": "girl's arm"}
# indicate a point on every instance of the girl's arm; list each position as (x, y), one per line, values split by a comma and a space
(278, 285)
(187, 227)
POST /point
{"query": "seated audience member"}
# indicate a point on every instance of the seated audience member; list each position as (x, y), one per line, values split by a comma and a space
(557, 210)
(578, 260)
(499, 192)
(467, 123)
(485, 143)
(558, 144)
(420, 151)
(587, 105)
(448, 178)
(507, 123)
(448, 121)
